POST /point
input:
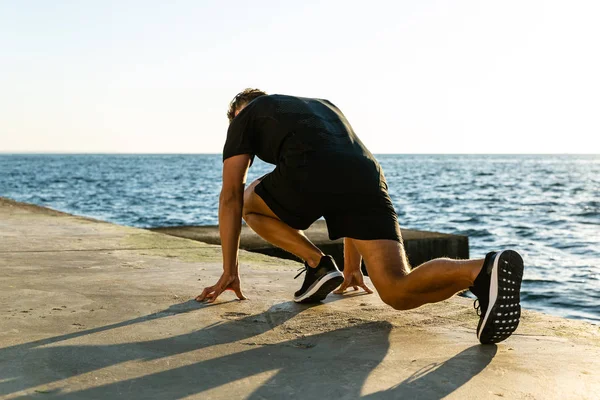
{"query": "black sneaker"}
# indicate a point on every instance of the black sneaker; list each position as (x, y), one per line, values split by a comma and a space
(497, 288)
(319, 281)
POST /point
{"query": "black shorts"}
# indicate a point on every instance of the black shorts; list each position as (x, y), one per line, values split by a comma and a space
(350, 193)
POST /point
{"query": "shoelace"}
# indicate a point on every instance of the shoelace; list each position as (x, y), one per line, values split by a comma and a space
(302, 270)
(477, 306)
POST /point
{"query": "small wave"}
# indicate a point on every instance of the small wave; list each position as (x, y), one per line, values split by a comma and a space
(525, 232)
(472, 220)
(486, 186)
(592, 204)
(542, 204)
(537, 296)
(478, 233)
(577, 190)
(539, 281)
(586, 276)
(57, 181)
(588, 214)
(554, 222)
(565, 302)
(83, 179)
(570, 245)
(584, 222)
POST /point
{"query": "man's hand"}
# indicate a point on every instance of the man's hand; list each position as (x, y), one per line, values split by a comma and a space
(226, 282)
(354, 279)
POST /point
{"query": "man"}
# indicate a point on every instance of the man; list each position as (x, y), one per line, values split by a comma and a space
(323, 170)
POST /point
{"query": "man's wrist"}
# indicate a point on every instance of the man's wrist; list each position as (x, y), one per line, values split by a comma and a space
(351, 269)
(232, 272)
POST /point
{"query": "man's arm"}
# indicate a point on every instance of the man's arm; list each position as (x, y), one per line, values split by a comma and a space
(352, 257)
(352, 273)
(231, 202)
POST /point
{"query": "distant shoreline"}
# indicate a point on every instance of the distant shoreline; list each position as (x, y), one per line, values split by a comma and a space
(4, 153)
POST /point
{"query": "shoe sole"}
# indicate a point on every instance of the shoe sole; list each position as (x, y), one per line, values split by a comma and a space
(504, 309)
(321, 288)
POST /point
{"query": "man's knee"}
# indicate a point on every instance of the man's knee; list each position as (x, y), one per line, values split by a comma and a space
(398, 302)
(248, 199)
(254, 205)
(249, 191)
(393, 295)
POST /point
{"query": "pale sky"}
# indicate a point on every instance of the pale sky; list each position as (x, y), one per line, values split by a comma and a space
(414, 76)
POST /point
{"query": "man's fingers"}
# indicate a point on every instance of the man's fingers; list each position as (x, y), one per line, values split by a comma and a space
(342, 288)
(203, 297)
(366, 288)
(213, 296)
(204, 293)
(239, 294)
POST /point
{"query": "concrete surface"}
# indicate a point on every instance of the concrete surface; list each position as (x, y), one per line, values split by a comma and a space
(94, 310)
(420, 246)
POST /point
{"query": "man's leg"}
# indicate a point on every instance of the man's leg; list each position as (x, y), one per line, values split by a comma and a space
(497, 287)
(323, 276)
(433, 281)
(268, 226)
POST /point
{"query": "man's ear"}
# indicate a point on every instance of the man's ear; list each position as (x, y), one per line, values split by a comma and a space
(239, 109)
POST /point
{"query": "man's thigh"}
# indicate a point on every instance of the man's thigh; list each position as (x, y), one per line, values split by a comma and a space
(385, 261)
(254, 204)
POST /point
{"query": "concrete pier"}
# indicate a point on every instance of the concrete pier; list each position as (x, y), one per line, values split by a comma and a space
(92, 310)
(420, 246)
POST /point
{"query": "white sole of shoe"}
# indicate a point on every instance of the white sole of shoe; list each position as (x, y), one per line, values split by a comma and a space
(504, 309)
(493, 293)
(328, 283)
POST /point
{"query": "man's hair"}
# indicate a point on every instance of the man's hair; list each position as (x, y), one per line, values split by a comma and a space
(241, 99)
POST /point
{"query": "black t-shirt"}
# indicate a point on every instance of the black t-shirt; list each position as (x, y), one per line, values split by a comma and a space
(319, 128)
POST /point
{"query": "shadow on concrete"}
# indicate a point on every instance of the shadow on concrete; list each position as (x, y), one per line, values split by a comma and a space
(320, 366)
(63, 362)
(441, 379)
(175, 309)
(330, 364)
